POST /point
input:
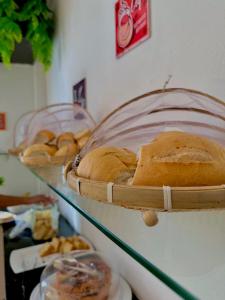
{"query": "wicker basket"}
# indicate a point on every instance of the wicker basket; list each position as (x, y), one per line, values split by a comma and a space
(146, 197)
(57, 118)
(136, 123)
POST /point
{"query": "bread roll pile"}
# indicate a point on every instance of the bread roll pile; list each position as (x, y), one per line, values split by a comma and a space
(172, 158)
(46, 144)
(43, 225)
(63, 245)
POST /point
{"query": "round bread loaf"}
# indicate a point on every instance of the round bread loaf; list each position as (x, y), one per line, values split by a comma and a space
(82, 141)
(64, 139)
(54, 147)
(180, 159)
(43, 137)
(67, 150)
(109, 164)
(39, 150)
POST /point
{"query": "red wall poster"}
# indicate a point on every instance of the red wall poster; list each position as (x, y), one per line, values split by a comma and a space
(132, 18)
(2, 121)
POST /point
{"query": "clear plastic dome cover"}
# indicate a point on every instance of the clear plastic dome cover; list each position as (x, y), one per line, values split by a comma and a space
(75, 277)
(139, 120)
(59, 118)
(20, 129)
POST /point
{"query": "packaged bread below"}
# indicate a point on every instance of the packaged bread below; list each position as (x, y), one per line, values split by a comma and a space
(173, 158)
(64, 245)
(45, 224)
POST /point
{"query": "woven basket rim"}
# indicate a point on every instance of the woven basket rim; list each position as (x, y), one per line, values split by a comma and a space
(146, 187)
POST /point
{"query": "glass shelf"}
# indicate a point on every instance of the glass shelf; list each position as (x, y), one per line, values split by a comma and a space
(184, 250)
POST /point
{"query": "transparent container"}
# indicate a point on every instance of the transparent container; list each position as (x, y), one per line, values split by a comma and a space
(19, 142)
(59, 118)
(76, 277)
(139, 120)
(20, 129)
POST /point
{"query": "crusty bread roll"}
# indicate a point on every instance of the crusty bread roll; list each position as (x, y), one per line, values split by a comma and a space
(39, 150)
(108, 164)
(65, 138)
(52, 142)
(43, 137)
(180, 159)
(54, 147)
(67, 150)
(82, 141)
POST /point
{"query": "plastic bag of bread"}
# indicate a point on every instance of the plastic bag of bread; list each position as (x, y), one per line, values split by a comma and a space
(45, 223)
(41, 220)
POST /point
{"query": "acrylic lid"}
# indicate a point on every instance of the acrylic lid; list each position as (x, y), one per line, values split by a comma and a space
(76, 276)
(137, 121)
(59, 118)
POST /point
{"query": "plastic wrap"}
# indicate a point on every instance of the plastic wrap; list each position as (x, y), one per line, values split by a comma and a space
(137, 121)
(76, 277)
(59, 118)
(42, 220)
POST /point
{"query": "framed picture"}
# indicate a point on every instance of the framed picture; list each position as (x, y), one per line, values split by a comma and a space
(132, 24)
(2, 121)
(79, 93)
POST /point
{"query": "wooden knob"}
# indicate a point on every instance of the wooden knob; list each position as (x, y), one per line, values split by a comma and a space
(150, 218)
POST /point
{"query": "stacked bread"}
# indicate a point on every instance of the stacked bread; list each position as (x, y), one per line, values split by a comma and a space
(63, 245)
(58, 148)
(172, 158)
(43, 228)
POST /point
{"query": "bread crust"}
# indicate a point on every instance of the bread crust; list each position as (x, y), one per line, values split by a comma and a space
(107, 164)
(67, 150)
(64, 139)
(43, 137)
(82, 141)
(180, 159)
(39, 149)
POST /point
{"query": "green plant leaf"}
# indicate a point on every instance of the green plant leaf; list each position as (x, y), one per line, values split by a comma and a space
(42, 46)
(7, 7)
(2, 180)
(10, 33)
(31, 19)
(34, 22)
(30, 8)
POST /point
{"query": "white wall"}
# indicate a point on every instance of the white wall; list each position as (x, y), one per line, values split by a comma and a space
(22, 89)
(187, 42)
